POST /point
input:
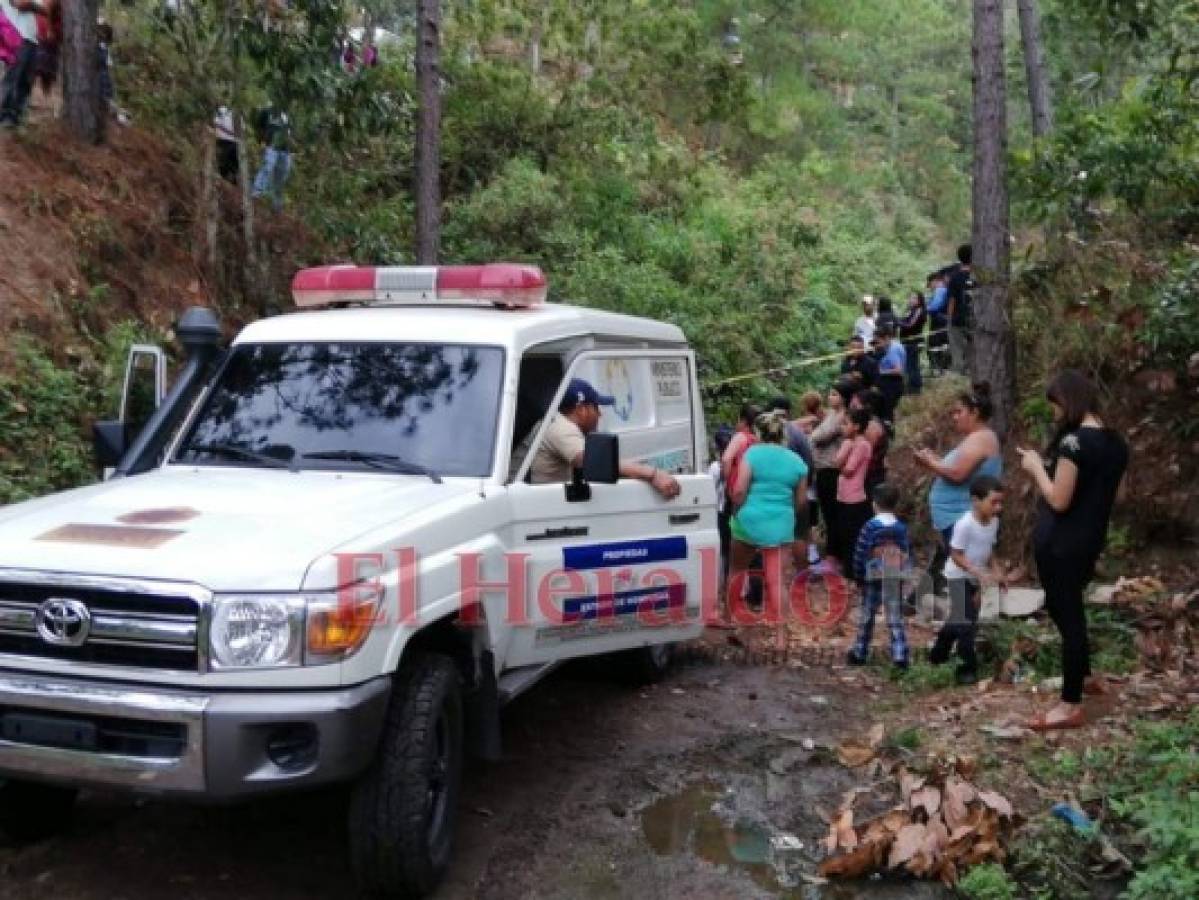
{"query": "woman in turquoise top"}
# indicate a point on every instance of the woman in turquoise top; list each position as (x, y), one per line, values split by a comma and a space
(978, 454)
(771, 485)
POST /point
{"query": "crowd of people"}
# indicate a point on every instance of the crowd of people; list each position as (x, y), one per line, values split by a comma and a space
(31, 36)
(780, 476)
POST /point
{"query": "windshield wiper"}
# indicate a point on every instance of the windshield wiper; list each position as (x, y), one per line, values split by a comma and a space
(386, 461)
(236, 452)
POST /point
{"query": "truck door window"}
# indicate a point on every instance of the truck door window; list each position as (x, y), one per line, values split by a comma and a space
(433, 406)
(652, 412)
(539, 380)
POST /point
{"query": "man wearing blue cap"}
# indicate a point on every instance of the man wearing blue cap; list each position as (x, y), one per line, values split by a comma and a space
(561, 450)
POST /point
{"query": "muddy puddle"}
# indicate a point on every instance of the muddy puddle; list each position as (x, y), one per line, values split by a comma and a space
(725, 825)
(702, 820)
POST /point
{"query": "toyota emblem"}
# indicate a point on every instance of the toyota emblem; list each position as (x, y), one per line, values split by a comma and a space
(63, 622)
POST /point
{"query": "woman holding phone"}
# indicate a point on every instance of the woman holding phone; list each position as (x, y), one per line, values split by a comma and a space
(1077, 486)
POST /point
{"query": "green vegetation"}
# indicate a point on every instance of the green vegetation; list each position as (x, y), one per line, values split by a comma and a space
(644, 164)
(1158, 794)
(987, 882)
(909, 738)
(1147, 791)
(46, 408)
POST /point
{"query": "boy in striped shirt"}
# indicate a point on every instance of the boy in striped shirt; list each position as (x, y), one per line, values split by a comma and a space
(881, 567)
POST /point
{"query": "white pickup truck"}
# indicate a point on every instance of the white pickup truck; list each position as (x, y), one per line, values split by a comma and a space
(322, 560)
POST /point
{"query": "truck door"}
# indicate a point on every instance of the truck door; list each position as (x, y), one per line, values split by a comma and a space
(624, 568)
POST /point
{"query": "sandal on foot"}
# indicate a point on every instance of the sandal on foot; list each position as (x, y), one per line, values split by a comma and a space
(1076, 719)
(1095, 686)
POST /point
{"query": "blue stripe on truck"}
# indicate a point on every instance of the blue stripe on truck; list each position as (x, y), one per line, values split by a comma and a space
(624, 553)
(624, 603)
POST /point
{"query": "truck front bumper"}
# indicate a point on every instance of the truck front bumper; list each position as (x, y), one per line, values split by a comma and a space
(214, 745)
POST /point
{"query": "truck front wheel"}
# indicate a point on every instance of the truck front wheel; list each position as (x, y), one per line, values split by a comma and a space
(31, 811)
(403, 810)
(645, 665)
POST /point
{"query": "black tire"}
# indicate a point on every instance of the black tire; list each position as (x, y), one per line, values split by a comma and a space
(403, 810)
(32, 811)
(646, 665)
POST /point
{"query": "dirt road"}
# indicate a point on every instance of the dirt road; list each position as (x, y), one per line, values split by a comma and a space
(711, 784)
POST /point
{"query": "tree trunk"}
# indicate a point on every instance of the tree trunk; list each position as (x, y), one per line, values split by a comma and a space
(206, 249)
(428, 131)
(1039, 96)
(83, 105)
(255, 288)
(994, 348)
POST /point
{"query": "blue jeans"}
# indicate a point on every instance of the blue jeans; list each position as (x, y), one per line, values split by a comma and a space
(887, 593)
(18, 83)
(276, 167)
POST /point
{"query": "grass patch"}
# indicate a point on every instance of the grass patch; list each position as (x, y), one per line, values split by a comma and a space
(909, 738)
(987, 882)
(1149, 789)
(923, 677)
(1048, 859)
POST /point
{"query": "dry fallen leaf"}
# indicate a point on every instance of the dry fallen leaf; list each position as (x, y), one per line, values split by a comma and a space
(997, 802)
(909, 783)
(927, 798)
(841, 832)
(906, 845)
(852, 754)
(885, 826)
(957, 795)
(856, 864)
(875, 736)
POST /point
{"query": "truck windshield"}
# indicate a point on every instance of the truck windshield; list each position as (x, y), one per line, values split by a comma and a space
(413, 408)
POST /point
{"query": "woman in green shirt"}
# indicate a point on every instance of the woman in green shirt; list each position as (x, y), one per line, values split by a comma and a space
(771, 484)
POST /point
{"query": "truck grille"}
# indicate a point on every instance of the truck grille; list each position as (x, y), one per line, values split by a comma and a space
(150, 631)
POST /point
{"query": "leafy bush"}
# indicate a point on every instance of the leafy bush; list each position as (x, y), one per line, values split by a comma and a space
(1158, 792)
(42, 413)
(987, 882)
(1172, 332)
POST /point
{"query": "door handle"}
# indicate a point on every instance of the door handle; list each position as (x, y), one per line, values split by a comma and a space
(683, 518)
(551, 534)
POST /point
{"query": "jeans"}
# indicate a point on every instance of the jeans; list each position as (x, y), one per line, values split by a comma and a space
(18, 83)
(850, 519)
(891, 387)
(1064, 579)
(826, 494)
(887, 593)
(936, 569)
(915, 381)
(959, 345)
(961, 627)
(276, 167)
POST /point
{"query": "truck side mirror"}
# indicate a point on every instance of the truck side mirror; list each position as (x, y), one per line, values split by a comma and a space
(601, 465)
(601, 458)
(109, 442)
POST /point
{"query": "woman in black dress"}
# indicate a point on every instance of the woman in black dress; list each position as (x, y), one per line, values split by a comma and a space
(1077, 487)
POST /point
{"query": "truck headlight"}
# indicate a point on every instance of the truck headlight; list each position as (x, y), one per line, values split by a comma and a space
(254, 631)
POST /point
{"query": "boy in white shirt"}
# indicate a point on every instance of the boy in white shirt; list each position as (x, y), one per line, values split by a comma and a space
(971, 567)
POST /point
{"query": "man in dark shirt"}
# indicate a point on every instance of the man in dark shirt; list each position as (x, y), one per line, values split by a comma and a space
(859, 365)
(961, 283)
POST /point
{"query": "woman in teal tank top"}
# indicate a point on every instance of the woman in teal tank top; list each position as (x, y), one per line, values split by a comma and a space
(978, 454)
(770, 485)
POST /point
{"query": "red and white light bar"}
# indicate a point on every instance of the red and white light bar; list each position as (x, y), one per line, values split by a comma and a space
(506, 284)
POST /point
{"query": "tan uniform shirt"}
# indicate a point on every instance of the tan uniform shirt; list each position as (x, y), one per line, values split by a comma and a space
(555, 457)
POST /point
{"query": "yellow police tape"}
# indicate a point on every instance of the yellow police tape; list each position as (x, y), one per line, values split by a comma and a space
(803, 363)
